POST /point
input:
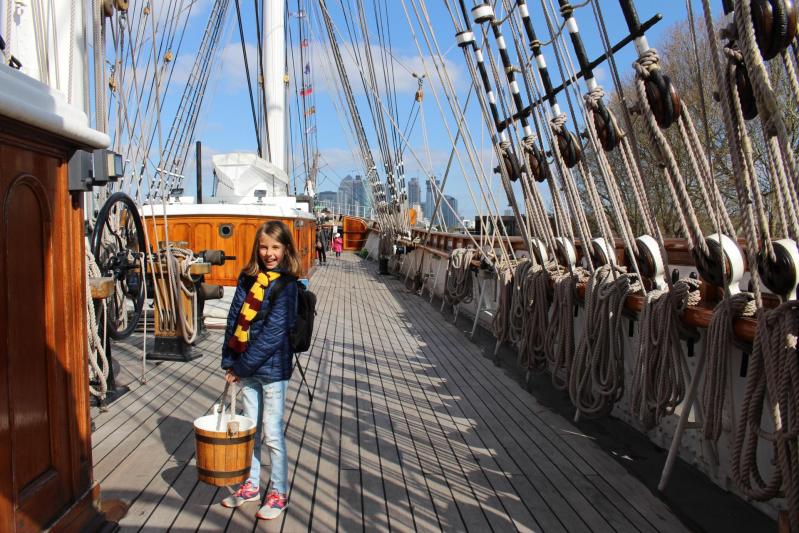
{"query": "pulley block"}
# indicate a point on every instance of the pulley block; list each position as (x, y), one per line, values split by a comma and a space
(774, 22)
(606, 127)
(746, 95)
(781, 275)
(650, 262)
(602, 253)
(724, 265)
(570, 148)
(663, 98)
(565, 253)
(511, 164)
(539, 250)
(537, 163)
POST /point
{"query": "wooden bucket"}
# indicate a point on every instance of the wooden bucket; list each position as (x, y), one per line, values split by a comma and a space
(224, 444)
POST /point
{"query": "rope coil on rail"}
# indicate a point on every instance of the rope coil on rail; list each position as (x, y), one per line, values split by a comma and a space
(98, 363)
(458, 287)
(596, 380)
(500, 325)
(518, 304)
(559, 344)
(660, 372)
(719, 334)
(773, 377)
(537, 294)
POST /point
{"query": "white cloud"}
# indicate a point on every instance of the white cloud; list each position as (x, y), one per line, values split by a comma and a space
(326, 76)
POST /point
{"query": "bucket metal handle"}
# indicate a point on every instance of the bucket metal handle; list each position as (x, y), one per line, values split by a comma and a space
(233, 425)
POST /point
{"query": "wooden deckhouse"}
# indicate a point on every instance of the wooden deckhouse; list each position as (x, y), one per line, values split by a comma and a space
(46, 476)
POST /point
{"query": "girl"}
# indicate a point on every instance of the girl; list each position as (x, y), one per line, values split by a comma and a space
(257, 354)
(338, 244)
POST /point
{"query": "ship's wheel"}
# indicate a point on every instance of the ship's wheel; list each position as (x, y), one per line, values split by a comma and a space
(118, 247)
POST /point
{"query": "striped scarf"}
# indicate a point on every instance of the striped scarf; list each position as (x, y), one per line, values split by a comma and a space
(252, 304)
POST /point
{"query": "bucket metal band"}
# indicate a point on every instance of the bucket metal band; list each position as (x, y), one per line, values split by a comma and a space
(223, 440)
(221, 473)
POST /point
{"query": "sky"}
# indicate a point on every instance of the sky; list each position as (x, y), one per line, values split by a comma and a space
(226, 124)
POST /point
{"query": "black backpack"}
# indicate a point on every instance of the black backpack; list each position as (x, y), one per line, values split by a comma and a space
(301, 334)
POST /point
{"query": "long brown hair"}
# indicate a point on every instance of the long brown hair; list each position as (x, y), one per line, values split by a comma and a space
(290, 264)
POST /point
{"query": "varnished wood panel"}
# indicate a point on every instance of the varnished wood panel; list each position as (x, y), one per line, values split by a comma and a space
(41, 451)
(354, 233)
(203, 233)
(45, 453)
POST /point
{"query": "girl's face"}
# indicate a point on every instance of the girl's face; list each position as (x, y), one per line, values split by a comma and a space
(270, 251)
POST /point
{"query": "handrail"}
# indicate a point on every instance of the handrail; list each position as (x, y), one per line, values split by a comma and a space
(442, 243)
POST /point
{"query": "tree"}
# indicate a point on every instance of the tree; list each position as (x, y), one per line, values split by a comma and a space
(691, 71)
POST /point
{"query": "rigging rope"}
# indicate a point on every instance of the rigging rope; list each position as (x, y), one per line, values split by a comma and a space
(596, 381)
(559, 343)
(771, 387)
(98, 363)
(458, 287)
(660, 370)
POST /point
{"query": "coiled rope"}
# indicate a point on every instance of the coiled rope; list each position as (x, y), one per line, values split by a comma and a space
(499, 326)
(536, 318)
(596, 381)
(660, 371)
(518, 304)
(98, 363)
(720, 333)
(458, 287)
(559, 342)
(773, 376)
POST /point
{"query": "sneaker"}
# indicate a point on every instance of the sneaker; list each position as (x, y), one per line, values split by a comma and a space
(275, 504)
(246, 493)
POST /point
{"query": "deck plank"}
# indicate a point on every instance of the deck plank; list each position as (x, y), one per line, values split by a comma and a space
(622, 504)
(411, 428)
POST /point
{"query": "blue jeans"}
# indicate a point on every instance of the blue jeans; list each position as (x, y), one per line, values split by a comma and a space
(264, 403)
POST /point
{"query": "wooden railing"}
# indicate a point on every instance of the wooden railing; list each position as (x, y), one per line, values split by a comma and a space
(441, 244)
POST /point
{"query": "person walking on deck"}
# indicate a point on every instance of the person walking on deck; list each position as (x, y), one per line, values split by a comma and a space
(321, 246)
(257, 354)
(338, 244)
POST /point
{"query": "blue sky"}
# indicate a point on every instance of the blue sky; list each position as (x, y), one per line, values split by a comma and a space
(226, 123)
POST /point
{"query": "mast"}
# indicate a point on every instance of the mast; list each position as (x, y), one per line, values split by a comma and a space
(275, 81)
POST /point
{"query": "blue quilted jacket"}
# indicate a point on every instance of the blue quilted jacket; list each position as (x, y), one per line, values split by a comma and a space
(268, 353)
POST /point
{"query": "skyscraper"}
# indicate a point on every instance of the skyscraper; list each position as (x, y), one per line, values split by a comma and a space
(345, 194)
(327, 199)
(359, 196)
(450, 212)
(414, 192)
(430, 198)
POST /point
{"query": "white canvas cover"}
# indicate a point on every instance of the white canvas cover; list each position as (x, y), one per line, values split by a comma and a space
(240, 174)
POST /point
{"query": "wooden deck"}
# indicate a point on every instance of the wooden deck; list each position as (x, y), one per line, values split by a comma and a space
(411, 428)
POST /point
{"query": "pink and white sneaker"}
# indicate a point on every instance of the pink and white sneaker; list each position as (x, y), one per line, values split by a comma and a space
(246, 493)
(275, 504)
